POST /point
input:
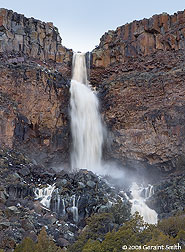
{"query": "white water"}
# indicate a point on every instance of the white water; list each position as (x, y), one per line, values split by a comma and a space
(87, 136)
(79, 68)
(45, 195)
(74, 208)
(148, 191)
(139, 205)
(86, 126)
(64, 207)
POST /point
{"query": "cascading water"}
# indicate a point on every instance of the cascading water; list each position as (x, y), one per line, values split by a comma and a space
(139, 205)
(148, 191)
(74, 208)
(45, 194)
(86, 126)
(87, 136)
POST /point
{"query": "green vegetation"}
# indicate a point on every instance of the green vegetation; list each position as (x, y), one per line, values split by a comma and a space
(44, 244)
(120, 212)
(97, 226)
(102, 234)
(133, 234)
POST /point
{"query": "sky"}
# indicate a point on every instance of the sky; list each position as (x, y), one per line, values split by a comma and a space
(81, 23)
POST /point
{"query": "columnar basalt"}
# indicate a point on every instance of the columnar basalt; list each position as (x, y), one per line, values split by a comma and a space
(34, 109)
(139, 72)
(34, 96)
(31, 37)
(141, 38)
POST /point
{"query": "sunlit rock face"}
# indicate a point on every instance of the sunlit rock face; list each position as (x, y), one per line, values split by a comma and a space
(34, 109)
(138, 70)
(140, 38)
(34, 95)
(32, 37)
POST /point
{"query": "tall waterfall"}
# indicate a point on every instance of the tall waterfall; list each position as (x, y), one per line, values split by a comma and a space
(87, 137)
(86, 126)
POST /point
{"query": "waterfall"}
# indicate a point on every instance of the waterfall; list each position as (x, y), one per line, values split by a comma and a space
(49, 197)
(45, 194)
(74, 208)
(64, 207)
(79, 71)
(86, 126)
(148, 191)
(87, 138)
(139, 205)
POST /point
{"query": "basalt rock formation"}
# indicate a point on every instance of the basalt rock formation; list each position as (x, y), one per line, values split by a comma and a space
(34, 80)
(31, 37)
(76, 196)
(169, 196)
(139, 72)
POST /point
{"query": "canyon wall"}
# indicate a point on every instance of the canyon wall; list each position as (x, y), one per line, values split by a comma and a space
(140, 38)
(34, 82)
(31, 37)
(139, 72)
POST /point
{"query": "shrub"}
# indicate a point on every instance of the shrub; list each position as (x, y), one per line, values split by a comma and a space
(44, 244)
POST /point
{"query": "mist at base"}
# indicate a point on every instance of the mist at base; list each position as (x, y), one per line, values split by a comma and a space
(88, 136)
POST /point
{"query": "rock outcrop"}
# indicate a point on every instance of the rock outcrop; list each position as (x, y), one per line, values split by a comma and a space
(31, 37)
(169, 196)
(34, 97)
(75, 197)
(141, 38)
(139, 72)
(34, 110)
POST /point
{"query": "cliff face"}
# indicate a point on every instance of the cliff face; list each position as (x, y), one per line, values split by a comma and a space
(141, 38)
(34, 108)
(139, 72)
(34, 96)
(31, 37)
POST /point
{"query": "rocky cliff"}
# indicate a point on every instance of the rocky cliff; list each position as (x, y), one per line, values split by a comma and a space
(139, 72)
(35, 73)
(30, 37)
(141, 38)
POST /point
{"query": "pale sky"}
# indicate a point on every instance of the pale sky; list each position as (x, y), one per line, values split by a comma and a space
(81, 23)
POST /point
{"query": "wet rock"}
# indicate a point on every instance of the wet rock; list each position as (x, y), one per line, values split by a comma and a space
(2, 197)
(24, 171)
(91, 184)
(103, 209)
(62, 183)
(13, 209)
(4, 225)
(69, 236)
(81, 185)
(169, 196)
